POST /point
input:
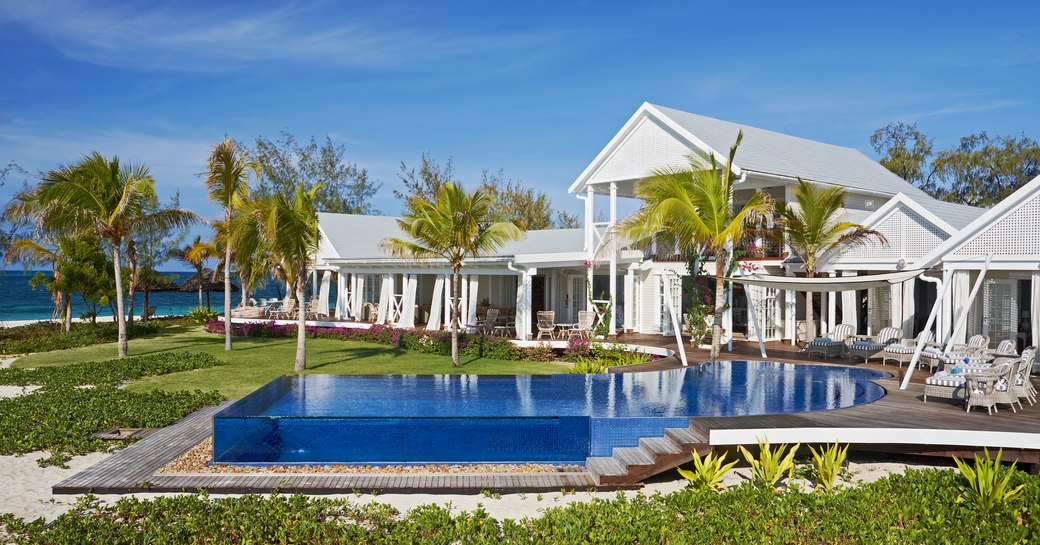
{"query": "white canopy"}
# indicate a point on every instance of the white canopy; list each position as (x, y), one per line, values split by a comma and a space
(828, 283)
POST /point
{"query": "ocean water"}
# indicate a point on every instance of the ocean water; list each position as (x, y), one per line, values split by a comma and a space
(18, 301)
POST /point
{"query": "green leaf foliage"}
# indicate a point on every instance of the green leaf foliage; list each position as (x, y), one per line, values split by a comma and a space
(109, 373)
(707, 473)
(914, 507)
(771, 464)
(827, 463)
(46, 336)
(988, 486)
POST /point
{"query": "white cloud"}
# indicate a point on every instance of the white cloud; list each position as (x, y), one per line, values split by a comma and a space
(219, 38)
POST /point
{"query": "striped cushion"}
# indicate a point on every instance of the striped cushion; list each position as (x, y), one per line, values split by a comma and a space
(900, 349)
(826, 343)
(976, 367)
(867, 345)
(945, 380)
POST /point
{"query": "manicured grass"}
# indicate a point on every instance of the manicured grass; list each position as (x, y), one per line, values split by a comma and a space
(256, 361)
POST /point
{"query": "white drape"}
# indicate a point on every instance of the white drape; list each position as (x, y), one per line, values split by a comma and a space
(471, 311)
(895, 306)
(908, 309)
(290, 293)
(323, 293)
(341, 296)
(357, 294)
(386, 294)
(407, 318)
(961, 290)
(449, 289)
(850, 305)
(436, 304)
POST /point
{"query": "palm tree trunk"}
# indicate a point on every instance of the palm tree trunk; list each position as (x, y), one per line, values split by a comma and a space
(144, 305)
(301, 323)
(456, 282)
(120, 319)
(68, 312)
(720, 292)
(227, 287)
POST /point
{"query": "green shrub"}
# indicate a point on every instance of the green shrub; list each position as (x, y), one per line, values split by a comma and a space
(46, 336)
(201, 316)
(914, 507)
(707, 473)
(110, 372)
(770, 465)
(588, 366)
(62, 419)
(827, 464)
(988, 486)
(538, 352)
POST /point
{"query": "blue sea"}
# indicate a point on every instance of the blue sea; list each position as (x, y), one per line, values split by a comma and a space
(18, 301)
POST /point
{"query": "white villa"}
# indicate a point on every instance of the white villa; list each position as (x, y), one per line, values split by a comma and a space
(553, 269)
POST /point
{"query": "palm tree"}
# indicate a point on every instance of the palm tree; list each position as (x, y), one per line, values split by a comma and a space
(196, 255)
(227, 183)
(813, 228)
(455, 226)
(32, 253)
(108, 199)
(694, 206)
(289, 231)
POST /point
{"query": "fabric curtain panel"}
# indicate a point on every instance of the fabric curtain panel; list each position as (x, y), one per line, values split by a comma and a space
(386, 294)
(341, 296)
(323, 292)
(436, 304)
(471, 309)
(908, 308)
(850, 305)
(407, 318)
(961, 289)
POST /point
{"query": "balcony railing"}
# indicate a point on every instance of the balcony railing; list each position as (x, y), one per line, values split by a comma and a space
(761, 243)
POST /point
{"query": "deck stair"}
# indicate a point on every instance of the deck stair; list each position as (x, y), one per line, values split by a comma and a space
(631, 465)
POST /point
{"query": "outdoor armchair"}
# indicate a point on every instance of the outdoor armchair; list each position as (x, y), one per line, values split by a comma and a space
(903, 351)
(546, 324)
(832, 345)
(286, 310)
(487, 325)
(869, 346)
(583, 328)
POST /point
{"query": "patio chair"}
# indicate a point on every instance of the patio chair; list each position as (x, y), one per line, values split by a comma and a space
(903, 351)
(867, 346)
(834, 344)
(286, 310)
(487, 325)
(989, 388)
(975, 347)
(1022, 382)
(546, 324)
(583, 328)
(148, 313)
(1005, 348)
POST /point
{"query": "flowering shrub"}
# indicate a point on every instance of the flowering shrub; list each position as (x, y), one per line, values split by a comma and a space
(577, 349)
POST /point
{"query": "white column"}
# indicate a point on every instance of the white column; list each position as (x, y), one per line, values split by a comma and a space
(832, 306)
(825, 323)
(590, 242)
(436, 304)
(790, 319)
(314, 281)
(895, 305)
(341, 295)
(474, 292)
(613, 262)
(1034, 309)
(630, 287)
(523, 305)
(850, 305)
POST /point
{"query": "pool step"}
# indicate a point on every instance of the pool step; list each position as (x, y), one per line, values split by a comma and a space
(630, 465)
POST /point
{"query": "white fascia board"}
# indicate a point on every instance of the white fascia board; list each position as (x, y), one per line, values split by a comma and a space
(646, 110)
(1003, 208)
(999, 263)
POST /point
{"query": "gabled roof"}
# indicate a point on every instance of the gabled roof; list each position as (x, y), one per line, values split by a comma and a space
(355, 236)
(762, 151)
(1021, 240)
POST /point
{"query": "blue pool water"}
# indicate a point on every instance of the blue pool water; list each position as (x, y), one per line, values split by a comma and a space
(400, 419)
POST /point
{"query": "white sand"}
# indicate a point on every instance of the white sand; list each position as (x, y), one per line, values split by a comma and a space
(16, 391)
(27, 490)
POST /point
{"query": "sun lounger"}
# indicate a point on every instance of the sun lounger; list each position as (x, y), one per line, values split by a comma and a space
(903, 351)
(832, 345)
(869, 346)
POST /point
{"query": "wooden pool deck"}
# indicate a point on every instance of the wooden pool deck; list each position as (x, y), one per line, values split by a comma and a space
(898, 423)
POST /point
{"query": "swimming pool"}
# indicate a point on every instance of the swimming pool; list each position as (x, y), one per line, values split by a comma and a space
(561, 419)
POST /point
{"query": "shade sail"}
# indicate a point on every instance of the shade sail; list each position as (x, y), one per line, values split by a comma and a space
(828, 283)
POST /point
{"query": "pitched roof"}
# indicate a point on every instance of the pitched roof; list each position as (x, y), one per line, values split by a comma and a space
(772, 152)
(955, 214)
(355, 236)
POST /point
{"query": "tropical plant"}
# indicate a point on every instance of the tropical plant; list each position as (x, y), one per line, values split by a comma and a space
(454, 227)
(32, 253)
(105, 198)
(988, 485)
(201, 316)
(771, 464)
(196, 255)
(289, 231)
(827, 463)
(227, 183)
(814, 227)
(707, 473)
(694, 207)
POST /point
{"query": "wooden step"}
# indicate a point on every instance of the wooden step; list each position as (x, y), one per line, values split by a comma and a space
(661, 445)
(605, 466)
(634, 456)
(686, 436)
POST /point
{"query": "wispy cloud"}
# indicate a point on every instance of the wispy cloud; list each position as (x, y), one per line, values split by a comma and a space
(965, 108)
(218, 38)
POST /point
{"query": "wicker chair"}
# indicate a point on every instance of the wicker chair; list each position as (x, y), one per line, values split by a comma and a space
(286, 311)
(867, 346)
(1021, 382)
(975, 347)
(583, 328)
(903, 351)
(984, 388)
(546, 324)
(487, 325)
(1005, 348)
(834, 345)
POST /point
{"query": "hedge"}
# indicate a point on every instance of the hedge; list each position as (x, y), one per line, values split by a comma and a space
(47, 336)
(110, 372)
(914, 507)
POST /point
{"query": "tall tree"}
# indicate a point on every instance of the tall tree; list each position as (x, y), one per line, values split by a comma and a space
(982, 171)
(196, 254)
(813, 226)
(424, 182)
(108, 199)
(454, 226)
(694, 206)
(227, 183)
(154, 245)
(289, 230)
(31, 253)
(285, 163)
(907, 152)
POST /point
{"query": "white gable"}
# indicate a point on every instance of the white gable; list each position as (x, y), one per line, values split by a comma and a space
(909, 234)
(649, 146)
(1016, 234)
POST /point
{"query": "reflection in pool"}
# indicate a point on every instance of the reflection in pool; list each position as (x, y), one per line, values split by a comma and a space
(523, 418)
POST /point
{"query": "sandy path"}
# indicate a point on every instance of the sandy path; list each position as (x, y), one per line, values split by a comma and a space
(27, 486)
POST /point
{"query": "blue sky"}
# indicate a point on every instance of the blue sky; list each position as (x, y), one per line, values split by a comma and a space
(534, 88)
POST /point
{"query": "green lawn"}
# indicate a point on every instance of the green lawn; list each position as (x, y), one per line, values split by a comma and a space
(255, 362)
